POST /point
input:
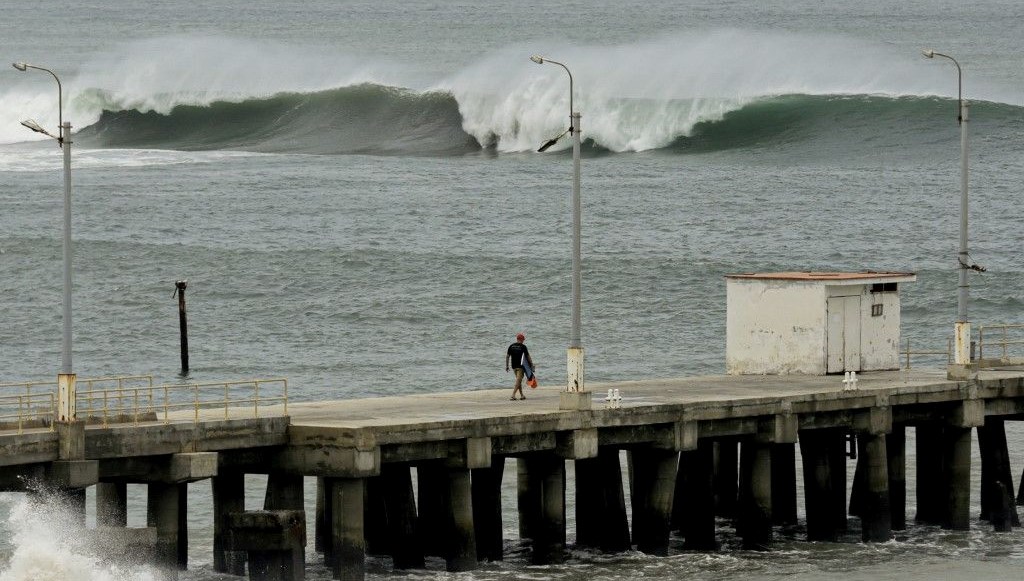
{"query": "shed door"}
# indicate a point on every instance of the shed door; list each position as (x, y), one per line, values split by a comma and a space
(843, 334)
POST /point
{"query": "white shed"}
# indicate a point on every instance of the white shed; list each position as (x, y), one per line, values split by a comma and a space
(813, 322)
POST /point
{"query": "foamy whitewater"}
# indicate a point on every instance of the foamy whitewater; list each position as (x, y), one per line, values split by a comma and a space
(354, 194)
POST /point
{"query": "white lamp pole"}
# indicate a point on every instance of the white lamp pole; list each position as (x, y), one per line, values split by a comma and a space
(574, 378)
(66, 378)
(962, 328)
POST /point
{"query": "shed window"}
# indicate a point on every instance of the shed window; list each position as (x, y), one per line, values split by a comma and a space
(883, 287)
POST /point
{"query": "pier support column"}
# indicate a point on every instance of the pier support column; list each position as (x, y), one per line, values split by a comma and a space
(783, 484)
(754, 522)
(486, 484)
(652, 485)
(818, 454)
(957, 459)
(431, 481)
(285, 493)
(876, 520)
(228, 497)
(460, 553)
(164, 511)
(527, 500)
(726, 478)
(544, 500)
(446, 514)
(375, 518)
(693, 508)
(112, 504)
(930, 474)
(321, 530)
(896, 451)
(348, 545)
(400, 504)
(996, 478)
(601, 521)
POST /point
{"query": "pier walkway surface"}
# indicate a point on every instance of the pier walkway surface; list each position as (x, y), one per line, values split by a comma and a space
(697, 448)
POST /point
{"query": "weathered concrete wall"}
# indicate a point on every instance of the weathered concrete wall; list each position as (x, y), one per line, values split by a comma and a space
(773, 327)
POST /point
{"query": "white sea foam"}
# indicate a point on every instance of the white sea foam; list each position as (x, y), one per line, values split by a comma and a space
(47, 545)
(645, 95)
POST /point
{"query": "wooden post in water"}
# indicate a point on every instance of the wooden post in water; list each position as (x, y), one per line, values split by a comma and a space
(179, 289)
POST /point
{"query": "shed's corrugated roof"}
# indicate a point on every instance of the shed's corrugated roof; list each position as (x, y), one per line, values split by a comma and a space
(826, 276)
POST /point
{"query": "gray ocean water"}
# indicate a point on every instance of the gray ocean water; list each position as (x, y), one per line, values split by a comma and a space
(351, 190)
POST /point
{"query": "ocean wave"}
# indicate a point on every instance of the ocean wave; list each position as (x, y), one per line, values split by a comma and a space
(382, 120)
(694, 91)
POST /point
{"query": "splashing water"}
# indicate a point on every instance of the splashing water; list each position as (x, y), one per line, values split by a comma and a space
(47, 544)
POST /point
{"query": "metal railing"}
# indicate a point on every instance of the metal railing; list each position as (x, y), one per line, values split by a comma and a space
(133, 399)
(184, 402)
(1001, 338)
(906, 353)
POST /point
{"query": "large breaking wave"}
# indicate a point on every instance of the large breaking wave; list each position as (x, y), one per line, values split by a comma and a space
(687, 92)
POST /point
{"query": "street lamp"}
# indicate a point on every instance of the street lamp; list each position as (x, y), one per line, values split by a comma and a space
(66, 378)
(574, 378)
(962, 328)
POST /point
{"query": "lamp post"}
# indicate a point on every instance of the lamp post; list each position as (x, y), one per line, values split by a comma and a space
(574, 378)
(962, 328)
(66, 378)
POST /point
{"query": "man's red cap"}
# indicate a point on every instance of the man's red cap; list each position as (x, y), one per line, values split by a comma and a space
(520, 337)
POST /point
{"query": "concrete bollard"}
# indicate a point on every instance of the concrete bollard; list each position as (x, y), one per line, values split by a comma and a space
(275, 541)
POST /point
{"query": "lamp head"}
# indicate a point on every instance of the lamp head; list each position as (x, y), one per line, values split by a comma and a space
(20, 66)
(928, 53)
(535, 58)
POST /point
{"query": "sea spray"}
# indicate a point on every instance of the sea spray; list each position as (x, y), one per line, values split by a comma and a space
(48, 543)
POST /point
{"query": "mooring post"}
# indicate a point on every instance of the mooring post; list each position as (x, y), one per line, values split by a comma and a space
(179, 289)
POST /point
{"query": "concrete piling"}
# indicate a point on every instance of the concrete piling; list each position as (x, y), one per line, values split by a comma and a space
(996, 478)
(957, 459)
(601, 521)
(652, 485)
(486, 483)
(876, 520)
(347, 547)
(783, 471)
(726, 477)
(754, 519)
(111, 504)
(693, 509)
(400, 509)
(896, 451)
(228, 490)
(544, 500)
(931, 474)
(162, 512)
(817, 454)
(274, 541)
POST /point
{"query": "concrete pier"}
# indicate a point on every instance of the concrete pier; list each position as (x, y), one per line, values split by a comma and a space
(696, 448)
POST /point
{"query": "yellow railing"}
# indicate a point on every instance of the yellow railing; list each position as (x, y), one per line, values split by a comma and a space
(33, 410)
(907, 352)
(1000, 338)
(184, 401)
(134, 399)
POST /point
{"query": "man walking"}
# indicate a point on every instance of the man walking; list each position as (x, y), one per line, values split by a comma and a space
(516, 354)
